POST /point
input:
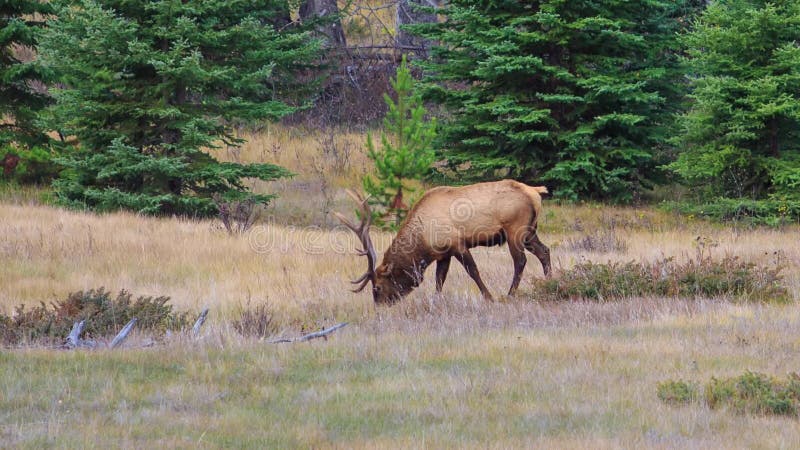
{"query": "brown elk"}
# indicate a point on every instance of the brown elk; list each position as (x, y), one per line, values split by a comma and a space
(445, 223)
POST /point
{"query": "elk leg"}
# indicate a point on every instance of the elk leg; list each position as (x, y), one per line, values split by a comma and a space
(472, 270)
(518, 255)
(535, 246)
(442, 266)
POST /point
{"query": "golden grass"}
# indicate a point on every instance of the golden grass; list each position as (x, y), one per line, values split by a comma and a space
(45, 253)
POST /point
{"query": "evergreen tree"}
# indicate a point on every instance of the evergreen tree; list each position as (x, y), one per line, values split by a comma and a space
(577, 94)
(21, 88)
(741, 137)
(151, 85)
(405, 154)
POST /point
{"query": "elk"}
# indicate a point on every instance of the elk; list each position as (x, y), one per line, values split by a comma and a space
(445, 223)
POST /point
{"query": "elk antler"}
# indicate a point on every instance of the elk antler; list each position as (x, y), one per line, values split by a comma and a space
(362, 231)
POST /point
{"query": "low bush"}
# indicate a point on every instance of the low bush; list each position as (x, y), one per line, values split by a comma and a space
(678, 392)
(701, 277)
(750, 393)
(756, 393)
(104, 315)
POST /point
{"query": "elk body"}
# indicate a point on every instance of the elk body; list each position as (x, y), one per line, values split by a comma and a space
(446, 223)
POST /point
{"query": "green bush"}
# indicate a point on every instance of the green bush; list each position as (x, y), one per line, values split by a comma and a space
(749, 393)
(678, 392)
(105, 315)
(701, 277)
(756, 393)
(772, 212)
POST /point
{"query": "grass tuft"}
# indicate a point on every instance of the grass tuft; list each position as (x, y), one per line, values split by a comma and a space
(256, 321)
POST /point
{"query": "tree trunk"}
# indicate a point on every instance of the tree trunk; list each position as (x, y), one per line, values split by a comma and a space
(407, 14)
(332, 31)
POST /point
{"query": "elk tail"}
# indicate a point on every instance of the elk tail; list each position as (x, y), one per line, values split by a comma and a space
(535, 193)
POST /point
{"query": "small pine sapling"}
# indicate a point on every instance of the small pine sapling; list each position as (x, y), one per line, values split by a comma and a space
(405, 154)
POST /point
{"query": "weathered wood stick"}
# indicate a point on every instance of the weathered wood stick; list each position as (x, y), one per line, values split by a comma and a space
(317, 334)
(74, 338)
(120, 337)
(199, 323)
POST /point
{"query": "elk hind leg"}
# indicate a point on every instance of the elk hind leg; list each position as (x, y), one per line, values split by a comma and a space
(518, 255)
(542, 252)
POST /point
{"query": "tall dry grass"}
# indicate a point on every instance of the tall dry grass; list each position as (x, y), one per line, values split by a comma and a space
(46, 253)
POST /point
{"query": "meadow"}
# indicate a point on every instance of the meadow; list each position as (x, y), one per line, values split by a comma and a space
(434, 371)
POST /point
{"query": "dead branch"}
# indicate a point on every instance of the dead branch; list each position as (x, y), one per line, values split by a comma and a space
(123, 334)
(74, 339)
(317, 334)
(199, 323)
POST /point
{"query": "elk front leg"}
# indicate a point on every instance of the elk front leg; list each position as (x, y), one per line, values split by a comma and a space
(442, 266)
(466, 260)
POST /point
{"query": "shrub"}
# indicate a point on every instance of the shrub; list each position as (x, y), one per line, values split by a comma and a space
(701, 277)
(678, 392)
(751, 393)
(104, 316)
(756, 393)
(256, 321)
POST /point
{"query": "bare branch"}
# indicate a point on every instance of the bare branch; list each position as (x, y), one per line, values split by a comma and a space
(74, 338)
(201, 319)
(123, 334)
(317, 334)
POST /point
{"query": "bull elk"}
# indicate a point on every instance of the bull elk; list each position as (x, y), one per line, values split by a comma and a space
(445, 223)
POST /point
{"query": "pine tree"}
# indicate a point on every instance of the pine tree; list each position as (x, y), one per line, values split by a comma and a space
(741, 137)
(21, 93)
(405, 154)
(576, 94)
(151, 86)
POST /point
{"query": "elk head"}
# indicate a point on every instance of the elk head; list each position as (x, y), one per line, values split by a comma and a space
(384, 287)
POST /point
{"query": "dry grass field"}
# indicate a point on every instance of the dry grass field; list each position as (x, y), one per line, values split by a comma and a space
(447, 371)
